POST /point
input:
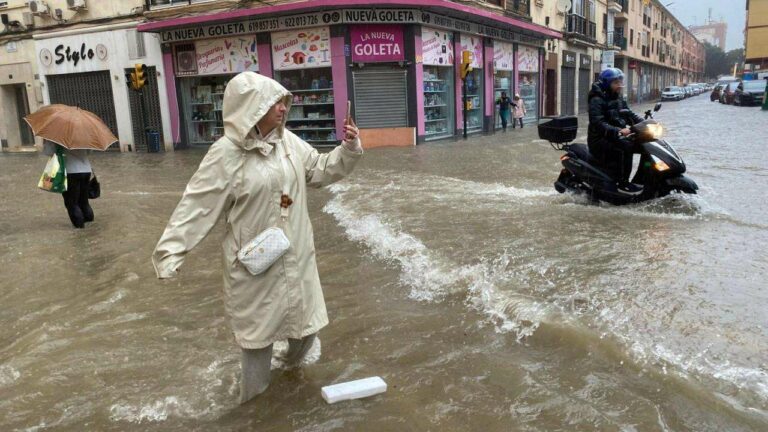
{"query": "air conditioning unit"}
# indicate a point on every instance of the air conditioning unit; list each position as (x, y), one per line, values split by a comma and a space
(76, 4)
(28, 19)
(39, 7)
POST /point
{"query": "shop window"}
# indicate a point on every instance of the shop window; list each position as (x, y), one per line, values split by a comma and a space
(312, 109)
(438, 101)
(202, 100)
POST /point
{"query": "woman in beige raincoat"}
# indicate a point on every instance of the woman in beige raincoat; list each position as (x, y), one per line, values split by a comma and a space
(243, 178)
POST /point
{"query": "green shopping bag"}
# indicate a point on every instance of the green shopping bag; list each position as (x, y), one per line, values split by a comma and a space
(54, 178)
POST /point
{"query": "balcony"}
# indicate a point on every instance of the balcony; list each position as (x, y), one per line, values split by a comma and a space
(519, 9)
(623, 14)
(578, 27)
(616, 41)
(614, 6)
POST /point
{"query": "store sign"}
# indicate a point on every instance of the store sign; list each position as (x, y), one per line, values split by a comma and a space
(436, 47)
(569, 59)
(377, 43)
(586, 61)
(64, 53)
(528, 59)
(474, 44)
(344, 16)
(503, 56)
(301, 49)
(227, 55)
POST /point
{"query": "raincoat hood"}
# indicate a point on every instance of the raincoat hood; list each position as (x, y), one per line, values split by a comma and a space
(247, 99)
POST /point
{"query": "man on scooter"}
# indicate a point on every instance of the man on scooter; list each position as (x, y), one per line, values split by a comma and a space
(609, 128)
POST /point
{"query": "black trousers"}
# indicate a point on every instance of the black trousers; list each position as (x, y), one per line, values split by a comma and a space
(76, 199)
(615, 157)
(514, 122)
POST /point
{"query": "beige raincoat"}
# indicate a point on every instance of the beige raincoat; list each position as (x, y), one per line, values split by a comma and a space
(241, 178)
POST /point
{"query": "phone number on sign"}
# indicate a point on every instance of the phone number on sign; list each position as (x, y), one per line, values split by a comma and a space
(301, 21)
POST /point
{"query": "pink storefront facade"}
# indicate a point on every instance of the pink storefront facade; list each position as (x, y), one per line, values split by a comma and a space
(397, 63)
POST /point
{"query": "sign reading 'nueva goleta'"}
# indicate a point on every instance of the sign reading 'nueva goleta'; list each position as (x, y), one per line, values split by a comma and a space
(343, 16)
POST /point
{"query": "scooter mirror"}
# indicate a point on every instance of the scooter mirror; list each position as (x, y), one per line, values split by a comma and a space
(657, 107)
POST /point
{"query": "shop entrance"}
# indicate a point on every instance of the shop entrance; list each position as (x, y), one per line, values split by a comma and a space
(381, 97)
(567, 90)
(16, 105)
(551, 107)
(90, 91)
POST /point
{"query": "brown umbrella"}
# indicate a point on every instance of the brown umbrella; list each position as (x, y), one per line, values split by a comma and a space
(71, 127)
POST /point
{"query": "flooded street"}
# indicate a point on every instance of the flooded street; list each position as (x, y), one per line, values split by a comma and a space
(453, 270)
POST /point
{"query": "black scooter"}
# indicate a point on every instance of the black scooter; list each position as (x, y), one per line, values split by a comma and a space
(660, 172)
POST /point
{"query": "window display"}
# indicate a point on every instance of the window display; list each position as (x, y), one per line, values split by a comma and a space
(202, 100)
(311, 116)
(439, 93)
(438, 102)
(528, 81)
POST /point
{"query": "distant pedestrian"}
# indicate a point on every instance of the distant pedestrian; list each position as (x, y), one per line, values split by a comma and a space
(504, 102)
(520, 112)
(78, 176)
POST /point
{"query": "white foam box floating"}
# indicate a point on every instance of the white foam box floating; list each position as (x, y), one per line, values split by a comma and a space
(354, 389)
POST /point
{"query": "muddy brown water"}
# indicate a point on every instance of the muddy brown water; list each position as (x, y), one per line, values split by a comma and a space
(453, 270)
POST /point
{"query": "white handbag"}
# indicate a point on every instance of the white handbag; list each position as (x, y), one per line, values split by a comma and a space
(260, 253)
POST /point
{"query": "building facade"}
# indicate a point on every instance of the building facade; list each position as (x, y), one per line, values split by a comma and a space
(77, 53)
(397, 63)
(757, 35)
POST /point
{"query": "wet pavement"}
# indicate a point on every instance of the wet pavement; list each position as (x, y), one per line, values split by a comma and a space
(453, 270)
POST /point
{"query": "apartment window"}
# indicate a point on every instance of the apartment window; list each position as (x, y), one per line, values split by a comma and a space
(495, 2)
(631, 36)
(605, 22)
(592, 10)
(578, 7)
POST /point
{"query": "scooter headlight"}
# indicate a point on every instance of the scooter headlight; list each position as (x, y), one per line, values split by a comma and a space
(659, 165)
(655, 130)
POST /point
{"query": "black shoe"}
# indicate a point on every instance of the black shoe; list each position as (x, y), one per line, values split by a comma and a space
(629, 188)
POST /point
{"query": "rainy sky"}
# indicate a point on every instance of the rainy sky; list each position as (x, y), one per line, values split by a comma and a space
(695, 12)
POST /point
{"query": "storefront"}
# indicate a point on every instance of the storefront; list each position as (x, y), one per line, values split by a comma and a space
(439, 83)
(89, 70)
(585, 81)
(503, 75)
(528, 80)
(398, 67)
(203, 68)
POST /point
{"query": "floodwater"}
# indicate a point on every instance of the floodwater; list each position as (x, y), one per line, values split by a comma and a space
(453, 270)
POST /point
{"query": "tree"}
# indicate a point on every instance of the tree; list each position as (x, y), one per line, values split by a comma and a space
(717, 63)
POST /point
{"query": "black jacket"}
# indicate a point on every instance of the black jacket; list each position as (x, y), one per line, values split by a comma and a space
(605, 121)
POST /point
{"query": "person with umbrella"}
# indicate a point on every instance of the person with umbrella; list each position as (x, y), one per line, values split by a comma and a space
(75, 132)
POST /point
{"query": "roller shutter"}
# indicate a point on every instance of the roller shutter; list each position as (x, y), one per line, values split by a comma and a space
(381, 97)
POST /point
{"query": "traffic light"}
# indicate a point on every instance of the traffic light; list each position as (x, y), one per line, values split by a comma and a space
(139, 76)
(466, 63)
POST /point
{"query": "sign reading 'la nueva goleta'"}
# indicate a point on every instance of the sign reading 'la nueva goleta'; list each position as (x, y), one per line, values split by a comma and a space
(377, 43)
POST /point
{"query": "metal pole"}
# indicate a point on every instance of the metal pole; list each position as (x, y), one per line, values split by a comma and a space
(464, 104)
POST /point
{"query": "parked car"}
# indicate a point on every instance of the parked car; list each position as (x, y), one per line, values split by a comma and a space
(749, 93)
(688, 91)
(673, 93)
(726, 96)
(715, 95)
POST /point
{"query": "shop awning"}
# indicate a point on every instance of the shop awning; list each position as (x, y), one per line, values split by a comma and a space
(437, 13)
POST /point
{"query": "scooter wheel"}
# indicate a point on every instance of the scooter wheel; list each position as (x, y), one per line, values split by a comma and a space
(559, 187)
